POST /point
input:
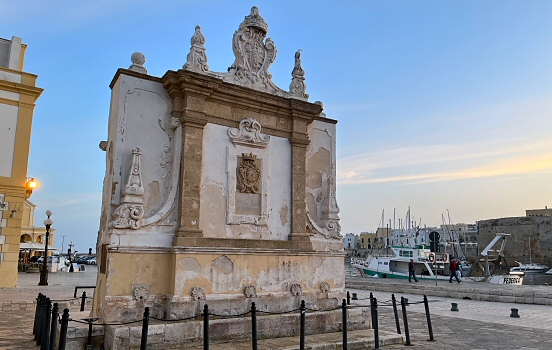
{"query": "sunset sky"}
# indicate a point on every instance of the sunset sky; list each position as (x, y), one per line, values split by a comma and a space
(441, 105)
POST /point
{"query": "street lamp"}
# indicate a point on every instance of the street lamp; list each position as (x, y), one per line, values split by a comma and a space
(69, 256)
(44, 271)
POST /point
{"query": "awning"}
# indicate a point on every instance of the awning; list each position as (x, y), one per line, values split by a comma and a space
(35, 246)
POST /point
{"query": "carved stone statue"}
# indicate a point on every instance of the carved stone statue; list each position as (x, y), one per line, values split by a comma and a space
(197, 58)
(297, 87)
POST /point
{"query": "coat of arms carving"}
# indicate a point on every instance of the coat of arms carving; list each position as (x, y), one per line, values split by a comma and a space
(248, 174)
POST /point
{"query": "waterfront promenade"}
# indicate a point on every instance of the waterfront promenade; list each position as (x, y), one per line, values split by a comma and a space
(478, 325)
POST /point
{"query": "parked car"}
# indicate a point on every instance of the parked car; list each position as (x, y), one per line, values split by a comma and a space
(91, 261)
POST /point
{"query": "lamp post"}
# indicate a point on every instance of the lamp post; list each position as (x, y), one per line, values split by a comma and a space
(44, 271)
(71, 269)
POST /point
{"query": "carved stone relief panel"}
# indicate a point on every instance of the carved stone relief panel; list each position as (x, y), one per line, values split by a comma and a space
(247, 161)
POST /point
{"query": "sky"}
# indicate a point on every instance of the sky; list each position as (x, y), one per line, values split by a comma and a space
(443, 106)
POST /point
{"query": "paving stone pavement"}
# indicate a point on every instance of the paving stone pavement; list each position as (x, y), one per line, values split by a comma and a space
(478, 324)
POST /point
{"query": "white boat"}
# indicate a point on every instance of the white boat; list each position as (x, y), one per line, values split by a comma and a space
(530, 268)
(549, 272)
(428, 265)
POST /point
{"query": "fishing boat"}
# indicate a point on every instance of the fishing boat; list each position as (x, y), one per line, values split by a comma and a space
(428, 265)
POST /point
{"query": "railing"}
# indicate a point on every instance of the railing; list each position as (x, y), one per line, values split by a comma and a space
(47, 320)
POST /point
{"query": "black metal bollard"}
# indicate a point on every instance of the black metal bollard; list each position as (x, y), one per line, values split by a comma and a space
(302, 330)
(375, 324)
(348, 298)
(83, 301)
(426, 304)
(397, 323)
(38, 317)
(40, 327)
(254, 325)
(344, 309)
(206, 327)
(355, 297)
(63, 329)
(38, 298)
(514, 313)
(371, 298)
(45, 341)
(53, 327)
(405, 319)
(145, 325)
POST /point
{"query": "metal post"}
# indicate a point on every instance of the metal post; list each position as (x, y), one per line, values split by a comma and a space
(63, 329)
(405, 319)
(376, 327)
(36, 313)
(254, 325)
(89, 342)
(53, 327)
(371, 298)
(40, 326)
(44, 270)
(302, 330)
(344, 309)
(45, 341)
(145, 325)
(426, 304)
(348, 298)
(397, 323)
(206, 327)
(83, 301)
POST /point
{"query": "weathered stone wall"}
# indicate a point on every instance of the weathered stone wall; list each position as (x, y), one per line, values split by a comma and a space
(538, 230)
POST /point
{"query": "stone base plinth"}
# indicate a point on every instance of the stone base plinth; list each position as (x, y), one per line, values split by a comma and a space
(178, 335)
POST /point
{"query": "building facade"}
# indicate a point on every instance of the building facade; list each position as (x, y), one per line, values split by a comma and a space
(18, 93)
(367, 240)
(539, 212)
(351, 241)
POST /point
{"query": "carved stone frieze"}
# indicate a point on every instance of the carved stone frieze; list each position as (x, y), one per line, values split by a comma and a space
(250, 291)
(248, 174)
(141, 291)
(249, 134)
(197, 58)
(198, 293)
(297, 88)
(296, 289)
(130, 212)
(324, 287)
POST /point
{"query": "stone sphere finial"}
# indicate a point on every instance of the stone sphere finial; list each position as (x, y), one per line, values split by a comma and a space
(138, 59)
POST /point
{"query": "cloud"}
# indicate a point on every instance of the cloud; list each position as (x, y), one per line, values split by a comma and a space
(417, 164)
(73, 199)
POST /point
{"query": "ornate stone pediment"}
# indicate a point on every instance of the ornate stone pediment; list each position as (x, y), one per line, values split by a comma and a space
(249, 134)
(197, 58)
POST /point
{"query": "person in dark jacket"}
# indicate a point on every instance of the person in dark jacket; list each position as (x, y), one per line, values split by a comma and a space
(411, 271)
(452, 268)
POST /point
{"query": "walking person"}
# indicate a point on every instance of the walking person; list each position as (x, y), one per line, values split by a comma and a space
(459, 268)
(452, 268)
(411, 271)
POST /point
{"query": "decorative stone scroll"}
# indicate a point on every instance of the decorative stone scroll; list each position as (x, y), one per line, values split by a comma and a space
(249, 134)
(198, 293)
(254, 55)
(297, 88)
(296, 289)
(197, 58)
(324, 287)
(130, 212)
(141, 291)
(250, 291)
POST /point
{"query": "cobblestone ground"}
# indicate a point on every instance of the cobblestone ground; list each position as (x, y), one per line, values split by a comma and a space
(478, 324)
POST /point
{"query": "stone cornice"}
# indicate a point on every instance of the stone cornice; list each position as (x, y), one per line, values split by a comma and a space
(22, 89)
(132, 74)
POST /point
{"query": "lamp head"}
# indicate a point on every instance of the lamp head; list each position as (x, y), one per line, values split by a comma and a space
(49, 213)
(48, 222)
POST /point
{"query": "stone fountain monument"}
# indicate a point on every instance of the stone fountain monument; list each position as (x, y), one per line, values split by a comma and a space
(219, 190)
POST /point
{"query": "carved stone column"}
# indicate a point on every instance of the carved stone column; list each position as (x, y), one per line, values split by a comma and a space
(299, 142)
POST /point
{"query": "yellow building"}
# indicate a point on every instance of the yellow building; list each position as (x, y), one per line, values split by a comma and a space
(539, 212)
(367, 240)
(18, 93)
(32, 237)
